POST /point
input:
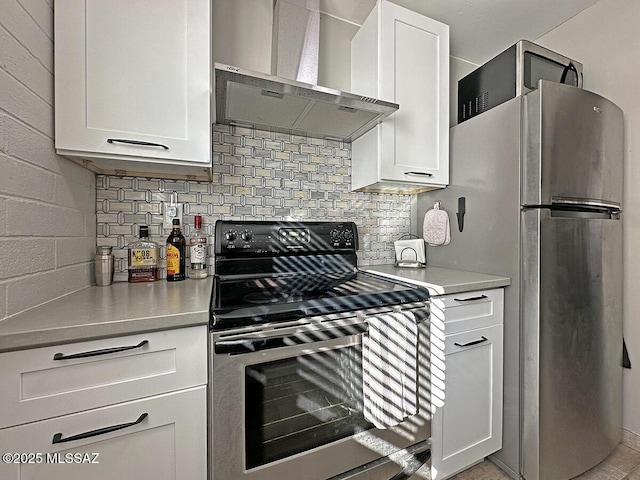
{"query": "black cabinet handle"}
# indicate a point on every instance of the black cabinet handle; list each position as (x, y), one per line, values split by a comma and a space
(476, 342)
(470, 299)
(57, 438)
(136, 142)
(424, 174)
(104, 351)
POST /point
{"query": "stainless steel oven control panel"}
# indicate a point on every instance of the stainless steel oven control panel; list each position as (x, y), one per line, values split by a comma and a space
(275, 237)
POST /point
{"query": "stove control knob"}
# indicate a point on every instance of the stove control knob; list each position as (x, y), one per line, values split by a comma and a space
(348, 234)
(246, 235)
(335, 235)
(230, 235)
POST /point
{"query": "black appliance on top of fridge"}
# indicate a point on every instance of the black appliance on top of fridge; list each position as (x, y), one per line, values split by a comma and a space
(541, 175)
(513, 73)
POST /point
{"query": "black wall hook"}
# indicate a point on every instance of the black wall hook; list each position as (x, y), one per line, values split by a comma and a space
(461, 212)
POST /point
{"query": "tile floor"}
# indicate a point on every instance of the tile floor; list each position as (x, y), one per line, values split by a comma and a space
(622, 464)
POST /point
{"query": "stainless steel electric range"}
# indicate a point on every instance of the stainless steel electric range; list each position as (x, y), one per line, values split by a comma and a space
(289, 311)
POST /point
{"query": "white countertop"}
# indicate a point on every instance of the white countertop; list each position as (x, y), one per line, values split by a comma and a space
(442, 281)
(119, 309)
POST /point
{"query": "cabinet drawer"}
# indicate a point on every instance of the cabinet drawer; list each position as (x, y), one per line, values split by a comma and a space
(37, 384)
(169, 442)
(467, 311)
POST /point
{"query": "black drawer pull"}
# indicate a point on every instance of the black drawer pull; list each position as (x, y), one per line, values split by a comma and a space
(57, 438)
(136, 142)
(104, 351)
(470, 299)
(476, 342)
(423, 174)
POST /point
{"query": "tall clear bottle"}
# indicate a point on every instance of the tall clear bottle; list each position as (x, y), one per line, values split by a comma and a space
(143, 258)
(176, 260)
(198, 250)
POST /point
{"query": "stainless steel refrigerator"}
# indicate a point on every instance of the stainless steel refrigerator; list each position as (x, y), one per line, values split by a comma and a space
(541, 181)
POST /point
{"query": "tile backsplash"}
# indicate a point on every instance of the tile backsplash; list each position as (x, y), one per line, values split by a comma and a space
(257, 175)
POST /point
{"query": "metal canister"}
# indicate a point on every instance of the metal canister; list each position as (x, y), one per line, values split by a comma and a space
(103, 264)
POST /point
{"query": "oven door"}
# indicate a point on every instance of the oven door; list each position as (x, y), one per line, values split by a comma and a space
(288, 403)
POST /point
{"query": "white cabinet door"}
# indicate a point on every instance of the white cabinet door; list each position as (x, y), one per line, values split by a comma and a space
(169, 443)
(132, 80)
(470, 421)
(467, 373)
(401, 56)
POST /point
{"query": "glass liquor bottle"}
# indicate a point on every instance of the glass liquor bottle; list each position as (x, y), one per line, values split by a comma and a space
(176, 261)
(143, 258)
(198, 250)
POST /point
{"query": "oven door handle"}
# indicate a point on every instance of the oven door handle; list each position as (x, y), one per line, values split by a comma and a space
(256, 344)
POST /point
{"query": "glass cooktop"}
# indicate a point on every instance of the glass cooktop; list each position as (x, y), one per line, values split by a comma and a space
(274, 298)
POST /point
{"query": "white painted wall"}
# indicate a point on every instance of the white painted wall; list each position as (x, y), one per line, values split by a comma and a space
(241, 33)
(47, 203)
(605, 39)
(334, 64)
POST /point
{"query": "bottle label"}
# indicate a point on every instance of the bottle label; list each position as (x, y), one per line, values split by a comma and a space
(173, 260)
(143, 257)
(198, 253)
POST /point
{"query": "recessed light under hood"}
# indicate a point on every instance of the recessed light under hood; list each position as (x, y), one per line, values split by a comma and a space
(248, 98)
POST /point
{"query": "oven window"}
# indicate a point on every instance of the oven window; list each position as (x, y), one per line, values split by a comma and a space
(300, 403)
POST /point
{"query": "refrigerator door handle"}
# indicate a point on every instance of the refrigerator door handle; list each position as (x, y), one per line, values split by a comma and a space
(584, 202)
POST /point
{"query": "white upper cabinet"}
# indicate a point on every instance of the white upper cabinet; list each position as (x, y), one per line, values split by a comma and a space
(133, 83)
(401, 56)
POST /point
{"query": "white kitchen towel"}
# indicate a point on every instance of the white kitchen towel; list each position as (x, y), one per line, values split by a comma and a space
(390, 369)
(435, 229)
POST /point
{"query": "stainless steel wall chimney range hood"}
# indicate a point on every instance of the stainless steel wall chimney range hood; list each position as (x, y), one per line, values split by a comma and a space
(278, 102)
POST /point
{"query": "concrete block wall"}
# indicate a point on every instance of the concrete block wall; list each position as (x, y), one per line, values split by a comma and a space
(47, 203)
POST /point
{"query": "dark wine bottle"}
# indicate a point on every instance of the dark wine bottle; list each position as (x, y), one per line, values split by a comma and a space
(176, 261)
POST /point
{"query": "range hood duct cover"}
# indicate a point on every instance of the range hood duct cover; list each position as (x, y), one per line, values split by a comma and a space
(295, 44)
(291, 102)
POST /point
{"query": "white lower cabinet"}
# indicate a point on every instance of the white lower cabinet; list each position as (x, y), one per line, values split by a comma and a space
(467, 358)
(48, 382)
(131, 407)
(169, 442)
